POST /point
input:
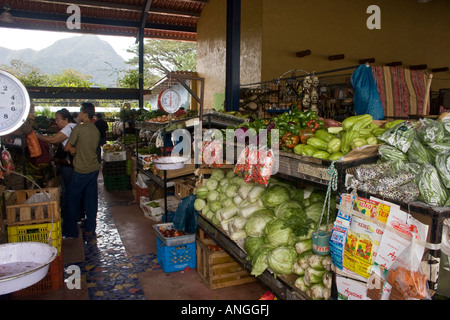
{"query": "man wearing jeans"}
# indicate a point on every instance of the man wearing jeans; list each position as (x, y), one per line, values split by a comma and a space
(82, 144)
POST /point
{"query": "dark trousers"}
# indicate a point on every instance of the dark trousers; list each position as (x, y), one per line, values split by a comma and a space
(82, 187)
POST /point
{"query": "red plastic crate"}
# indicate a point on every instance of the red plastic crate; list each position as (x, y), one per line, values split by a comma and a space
(52, 281)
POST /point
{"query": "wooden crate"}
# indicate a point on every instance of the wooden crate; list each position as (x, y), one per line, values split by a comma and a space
(184, 187)
(20, 213)
(218, 269)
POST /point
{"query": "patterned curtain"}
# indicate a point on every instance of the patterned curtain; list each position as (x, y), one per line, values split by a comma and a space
(402, 91)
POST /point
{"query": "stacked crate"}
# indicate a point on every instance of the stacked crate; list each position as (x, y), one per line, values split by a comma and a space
(217, 268)
(28, 220)
(115, 175)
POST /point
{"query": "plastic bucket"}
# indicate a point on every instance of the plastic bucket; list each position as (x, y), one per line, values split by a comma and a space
(321, 242)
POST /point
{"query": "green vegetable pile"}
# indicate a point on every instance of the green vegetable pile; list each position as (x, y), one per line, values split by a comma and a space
(335, 142)
(422, 148)
(274, 223)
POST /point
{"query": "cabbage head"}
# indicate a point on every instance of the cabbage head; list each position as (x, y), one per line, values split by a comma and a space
(202, 192)
(259, 261)
(278, 234)
(274, 196)
(212, 184)
(281, 259)
(289, 208)
(251, 245)
(213, 195)
(254, 227)
(217, 174)
(199, 204)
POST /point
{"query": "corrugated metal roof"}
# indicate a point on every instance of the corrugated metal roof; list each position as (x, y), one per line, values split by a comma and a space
(165, 19)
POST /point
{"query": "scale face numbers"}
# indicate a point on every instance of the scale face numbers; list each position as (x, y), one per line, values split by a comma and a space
(14, 103)
(169, 101)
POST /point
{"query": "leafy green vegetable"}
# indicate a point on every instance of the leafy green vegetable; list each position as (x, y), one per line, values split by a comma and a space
(314, 276)
(199, 204)
(259, 261)
(213, 195)
(274, 195)
(254, 227)
(217, 174)
(281, 259)
(304, 245)
(202, 192)
(288, 208)
(251, 245)
(211, 184)
(277, 234)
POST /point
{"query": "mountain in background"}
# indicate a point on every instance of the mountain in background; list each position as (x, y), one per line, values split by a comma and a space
(87, 54)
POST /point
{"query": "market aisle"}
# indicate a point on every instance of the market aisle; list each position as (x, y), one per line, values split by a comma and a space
(122, 263)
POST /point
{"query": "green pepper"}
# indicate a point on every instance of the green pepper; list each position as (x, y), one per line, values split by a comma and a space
(284, 117)
(334, 145)
(321, 123)
(311, 115)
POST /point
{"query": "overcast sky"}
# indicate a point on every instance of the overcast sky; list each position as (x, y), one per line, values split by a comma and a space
(37, 40)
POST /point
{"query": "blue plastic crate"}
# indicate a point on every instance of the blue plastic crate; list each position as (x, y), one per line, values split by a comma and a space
(176, 258)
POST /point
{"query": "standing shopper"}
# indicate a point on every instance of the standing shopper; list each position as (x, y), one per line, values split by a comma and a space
(83, 144)
(63, 160)
(102, 126)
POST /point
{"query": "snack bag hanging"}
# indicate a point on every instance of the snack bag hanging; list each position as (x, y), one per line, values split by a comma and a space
(7, 162)
(33, 145)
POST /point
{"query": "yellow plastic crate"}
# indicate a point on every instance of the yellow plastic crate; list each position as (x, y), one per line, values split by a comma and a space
(37, 233)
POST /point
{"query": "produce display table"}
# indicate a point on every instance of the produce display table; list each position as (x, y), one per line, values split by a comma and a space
(282, 286)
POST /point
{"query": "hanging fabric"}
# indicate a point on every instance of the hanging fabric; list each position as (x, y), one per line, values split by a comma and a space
(366, 98)
(402, 91)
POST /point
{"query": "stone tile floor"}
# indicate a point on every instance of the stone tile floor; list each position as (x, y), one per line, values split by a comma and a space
(111, 274)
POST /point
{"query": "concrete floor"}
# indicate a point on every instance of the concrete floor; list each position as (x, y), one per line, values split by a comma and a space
(126, 248)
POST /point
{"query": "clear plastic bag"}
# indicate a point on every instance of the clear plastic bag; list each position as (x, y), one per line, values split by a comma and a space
(400, 136)
(431, 189)
(406, 277)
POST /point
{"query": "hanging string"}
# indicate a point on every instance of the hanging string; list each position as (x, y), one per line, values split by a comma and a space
(332, 186)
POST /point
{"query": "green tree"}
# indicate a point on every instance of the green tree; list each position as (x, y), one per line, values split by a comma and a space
(71, 78)
(29, 75)
(160, 58)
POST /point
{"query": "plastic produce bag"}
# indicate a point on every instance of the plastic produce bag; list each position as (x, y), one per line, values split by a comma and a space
(431, 189)
(185, 218)
(7, 162)
(406, 277)
(390, 153)
(443, 168)
(400, 136)
(366, 97)
(430, 131)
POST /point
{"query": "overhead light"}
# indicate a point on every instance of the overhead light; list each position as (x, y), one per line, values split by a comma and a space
(6, 16)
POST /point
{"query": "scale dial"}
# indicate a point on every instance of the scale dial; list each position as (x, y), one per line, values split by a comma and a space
(169, 101)
(14, 103)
